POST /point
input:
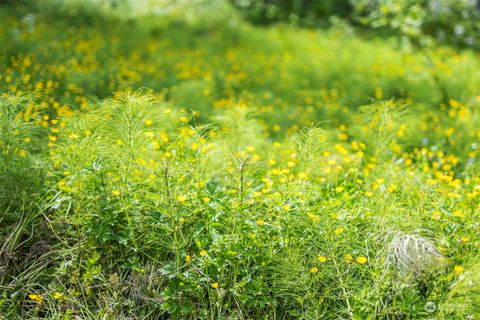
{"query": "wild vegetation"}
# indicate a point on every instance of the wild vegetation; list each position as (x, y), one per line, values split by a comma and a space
(189, 165)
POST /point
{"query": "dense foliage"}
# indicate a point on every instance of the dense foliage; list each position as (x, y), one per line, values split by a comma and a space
(419, 22)
(189, 165)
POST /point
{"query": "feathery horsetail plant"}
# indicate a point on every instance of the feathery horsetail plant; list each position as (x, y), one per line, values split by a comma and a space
(17, 166)
(212, 235)
(23, 252)
(193, 227)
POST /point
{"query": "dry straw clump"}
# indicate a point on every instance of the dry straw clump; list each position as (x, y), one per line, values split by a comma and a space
(413, 254)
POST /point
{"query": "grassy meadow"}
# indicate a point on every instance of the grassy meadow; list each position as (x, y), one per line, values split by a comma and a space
(191, 165)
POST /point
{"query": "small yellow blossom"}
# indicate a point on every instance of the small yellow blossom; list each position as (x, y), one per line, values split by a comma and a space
(458, 213)
(436, 214)
(35, 297)
(215, 285)
(203, 253)
(57, 295)
(260, 222)
(322, 259)
(315, 218)
(361, 259)
(458, 269)
(188, 258)
(314, 270)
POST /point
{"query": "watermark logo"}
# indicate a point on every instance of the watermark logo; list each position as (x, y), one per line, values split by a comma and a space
(430, 306)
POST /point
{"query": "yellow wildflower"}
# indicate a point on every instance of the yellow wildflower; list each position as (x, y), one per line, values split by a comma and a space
(35, 297)
(322, 259)
(458, 269)
(57, 295)
(361, 259)
(458, 213)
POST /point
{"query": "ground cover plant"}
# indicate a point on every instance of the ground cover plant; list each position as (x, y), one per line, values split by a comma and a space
(185, 164)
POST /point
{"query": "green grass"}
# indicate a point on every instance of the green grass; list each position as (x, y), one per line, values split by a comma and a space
(196, 167)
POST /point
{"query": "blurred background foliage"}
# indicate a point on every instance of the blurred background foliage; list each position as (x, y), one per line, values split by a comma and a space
(422, 22)
(416, 22)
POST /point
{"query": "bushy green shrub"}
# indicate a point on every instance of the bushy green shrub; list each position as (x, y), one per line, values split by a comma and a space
(421, 23)
(304, 12)
(426, 22)
(18, 173)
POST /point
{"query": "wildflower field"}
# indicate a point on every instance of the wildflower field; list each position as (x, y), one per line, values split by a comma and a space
(189, 164)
